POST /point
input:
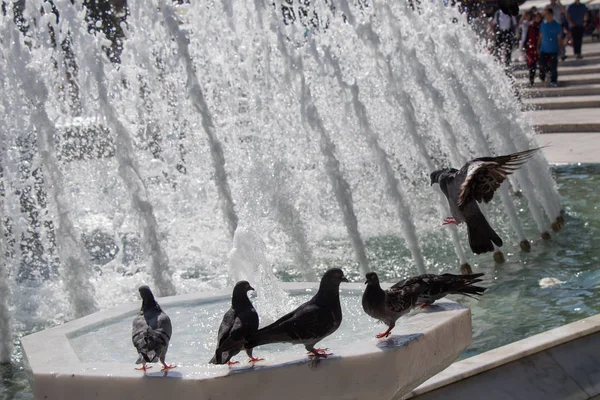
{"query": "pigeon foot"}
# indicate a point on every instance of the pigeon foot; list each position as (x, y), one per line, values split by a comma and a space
(319, 353)
(449, 220)
(384, 334)
(422, 307)
(167, 367)
(144, 368)
(253, 360)
(230, 363)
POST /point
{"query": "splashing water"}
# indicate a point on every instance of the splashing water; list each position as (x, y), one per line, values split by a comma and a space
(305, 133)
(247, 261)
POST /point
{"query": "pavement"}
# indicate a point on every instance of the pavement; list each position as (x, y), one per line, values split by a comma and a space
(567, 118)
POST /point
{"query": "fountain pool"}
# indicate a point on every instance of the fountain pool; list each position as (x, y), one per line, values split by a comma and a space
(315, 125)
(87, 358)
(498, 318)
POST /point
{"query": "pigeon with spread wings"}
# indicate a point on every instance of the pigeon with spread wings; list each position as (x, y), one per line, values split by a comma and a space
(476, 182)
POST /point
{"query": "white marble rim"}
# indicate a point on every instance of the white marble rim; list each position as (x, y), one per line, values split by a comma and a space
(49, 352)
(513, 351)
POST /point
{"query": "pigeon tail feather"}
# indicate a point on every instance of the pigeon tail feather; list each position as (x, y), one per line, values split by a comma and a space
(482, 236)
(267, 336)
(471, 291)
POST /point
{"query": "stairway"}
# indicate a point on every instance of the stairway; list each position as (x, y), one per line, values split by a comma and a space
(567, 117)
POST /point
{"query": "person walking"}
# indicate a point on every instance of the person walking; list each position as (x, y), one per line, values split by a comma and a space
(549, 46)
(576, 13)
(531, 46)
(504, 26)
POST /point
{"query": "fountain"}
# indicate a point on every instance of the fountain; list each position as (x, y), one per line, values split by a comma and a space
(137, 159)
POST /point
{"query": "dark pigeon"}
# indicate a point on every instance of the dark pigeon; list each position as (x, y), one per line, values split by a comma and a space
(312, 321)
(151, 332)
(423, 290)
(475, 182)
(239, 324)
(438, 286)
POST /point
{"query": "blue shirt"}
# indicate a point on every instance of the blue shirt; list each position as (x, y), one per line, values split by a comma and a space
(550, 32)
(577, 12)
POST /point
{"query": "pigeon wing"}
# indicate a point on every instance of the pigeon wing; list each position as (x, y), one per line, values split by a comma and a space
(226, 326)
(139, 335)
(412, 280)
(402, 299)
(483, 176)
(159, 335)
(307, 322)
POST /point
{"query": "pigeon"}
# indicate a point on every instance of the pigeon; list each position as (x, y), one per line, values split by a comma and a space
(239, 323)
(311, 322)
(475, 182)
(423, 290)
(151, 332)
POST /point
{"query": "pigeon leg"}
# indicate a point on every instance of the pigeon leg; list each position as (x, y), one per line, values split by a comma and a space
(252, 358)
(384, 334)
(425, 305)
(230, 363)
(319, 353)
(449, 220)
(144, 367)
(167, 366)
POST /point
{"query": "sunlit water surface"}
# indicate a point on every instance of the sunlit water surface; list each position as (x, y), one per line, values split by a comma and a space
(514, 307)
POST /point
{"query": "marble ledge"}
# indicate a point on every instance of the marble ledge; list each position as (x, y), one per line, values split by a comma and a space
(508, 353)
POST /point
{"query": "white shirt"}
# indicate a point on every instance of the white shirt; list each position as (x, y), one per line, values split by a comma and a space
(556, 12)
(504, 21)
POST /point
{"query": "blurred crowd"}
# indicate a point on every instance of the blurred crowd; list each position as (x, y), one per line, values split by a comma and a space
(541, 36)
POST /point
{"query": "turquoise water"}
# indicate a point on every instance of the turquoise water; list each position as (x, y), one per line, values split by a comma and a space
(515, 306)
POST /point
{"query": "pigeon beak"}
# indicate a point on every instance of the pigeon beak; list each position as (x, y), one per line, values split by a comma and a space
(367, 281)
(251, 288)
(344, 279)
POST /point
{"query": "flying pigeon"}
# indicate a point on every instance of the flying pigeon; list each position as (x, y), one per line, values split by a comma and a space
(239, 324)
(423, 290)
(311, 322)
(475, 182)
(151, 332)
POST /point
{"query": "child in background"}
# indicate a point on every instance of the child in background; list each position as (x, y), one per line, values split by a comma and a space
(549, 45)
(531, 46)
(523, 30)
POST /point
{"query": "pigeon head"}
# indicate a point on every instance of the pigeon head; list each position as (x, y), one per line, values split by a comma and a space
(242, 287)
(372, 279)
(147, 296)
(436, 175)
(146, 293)
(333, 276)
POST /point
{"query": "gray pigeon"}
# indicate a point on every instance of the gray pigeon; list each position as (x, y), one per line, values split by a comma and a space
(438, 286)
(239, 323)
(389, 305)
(311, 322)
(151, 332)
(475, 182)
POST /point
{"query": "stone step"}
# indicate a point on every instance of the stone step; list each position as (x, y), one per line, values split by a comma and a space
(564, 71)
(571, 147)
(571, 61)
(581, 120)
(568, 80)
(585, 90)
(562, 102)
